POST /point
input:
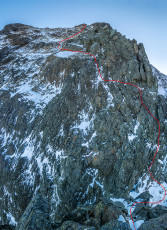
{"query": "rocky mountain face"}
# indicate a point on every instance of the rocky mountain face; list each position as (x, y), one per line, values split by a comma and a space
(74, 149)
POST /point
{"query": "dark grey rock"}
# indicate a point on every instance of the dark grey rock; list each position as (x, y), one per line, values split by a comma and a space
(144, 197)
(157, 211)
(6, 227)
(159, 223)
(14, 27)
(36, 216)
(74, 226)
(42, 144)
(17, 40)
(115, 225)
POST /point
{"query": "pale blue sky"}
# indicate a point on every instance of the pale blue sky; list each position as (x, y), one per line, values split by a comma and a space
(144, 20)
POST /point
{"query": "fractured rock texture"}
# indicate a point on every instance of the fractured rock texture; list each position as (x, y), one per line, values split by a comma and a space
(69, 140)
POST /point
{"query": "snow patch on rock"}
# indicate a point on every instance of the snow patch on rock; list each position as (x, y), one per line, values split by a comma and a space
(162, 82)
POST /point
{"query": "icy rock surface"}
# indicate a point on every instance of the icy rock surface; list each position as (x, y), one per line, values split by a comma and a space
(72, 138)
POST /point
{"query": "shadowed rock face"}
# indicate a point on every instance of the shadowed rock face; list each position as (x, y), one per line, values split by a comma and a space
(69, 140)
(156, 223)
(36, 216)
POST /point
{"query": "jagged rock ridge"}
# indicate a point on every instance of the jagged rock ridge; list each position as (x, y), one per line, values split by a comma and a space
(79, 143)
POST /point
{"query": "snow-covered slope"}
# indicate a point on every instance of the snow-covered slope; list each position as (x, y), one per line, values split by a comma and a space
(69, 137)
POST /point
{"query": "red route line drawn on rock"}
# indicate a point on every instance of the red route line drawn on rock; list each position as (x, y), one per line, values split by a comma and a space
(142, 104)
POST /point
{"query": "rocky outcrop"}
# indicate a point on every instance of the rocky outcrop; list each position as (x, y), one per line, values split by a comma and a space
(36, 215)
(158, 223)
(157, 211)
(115, 225)
(69, 141)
